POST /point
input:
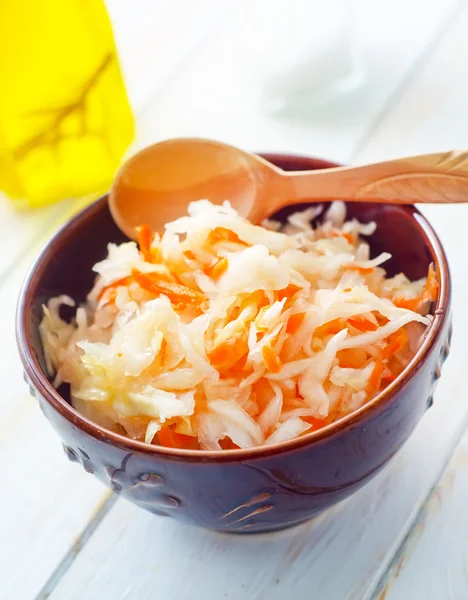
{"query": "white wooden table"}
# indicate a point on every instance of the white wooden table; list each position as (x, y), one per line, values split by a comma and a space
(405, 535)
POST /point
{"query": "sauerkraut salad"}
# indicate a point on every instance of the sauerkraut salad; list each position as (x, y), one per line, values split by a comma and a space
(221, 334)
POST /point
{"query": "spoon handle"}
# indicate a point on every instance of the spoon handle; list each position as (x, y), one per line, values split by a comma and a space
(429, 178)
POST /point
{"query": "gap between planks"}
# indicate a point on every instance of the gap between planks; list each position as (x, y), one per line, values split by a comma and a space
(418, 65)
(101, 510)
(392, 565)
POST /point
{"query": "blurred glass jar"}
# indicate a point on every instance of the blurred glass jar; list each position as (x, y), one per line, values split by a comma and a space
(65, 119)
(301, 55)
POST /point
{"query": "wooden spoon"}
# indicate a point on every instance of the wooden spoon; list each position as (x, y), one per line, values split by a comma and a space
(156, 185)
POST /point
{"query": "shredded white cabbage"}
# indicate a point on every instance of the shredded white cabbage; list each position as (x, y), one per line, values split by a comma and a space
(223, 334)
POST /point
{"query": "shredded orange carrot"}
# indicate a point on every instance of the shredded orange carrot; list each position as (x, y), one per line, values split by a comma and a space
(145, 237)
(168, 438)
(316, 423)
(227, 444)
(189, 254)
(288, 292)
(396, 341)
(220, 354)
(220, 234)
(176, 292)
(331, 327)
(162, 352)
(375, 377)
(239, 367)
(115, 284)
(362, 270)
(352, 358)
(272, 360)
(403, 302)
(294, 322)
(381, 320)
(431, 287)
(428, 294)
(347, 236)
(226, 355)
(259, 297)
(218, 268)
(362, 323)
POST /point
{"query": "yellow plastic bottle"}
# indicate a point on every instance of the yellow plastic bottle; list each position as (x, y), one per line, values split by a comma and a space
(65, 119)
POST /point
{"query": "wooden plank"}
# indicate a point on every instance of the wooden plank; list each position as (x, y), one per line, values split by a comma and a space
(433, 562)
(45, 501)
(343, 553)
(155, 38)
(20, 229)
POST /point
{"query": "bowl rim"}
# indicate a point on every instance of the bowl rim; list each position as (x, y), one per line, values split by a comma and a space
(40, 382)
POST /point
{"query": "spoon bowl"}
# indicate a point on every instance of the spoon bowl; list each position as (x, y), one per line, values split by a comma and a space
(157, 184)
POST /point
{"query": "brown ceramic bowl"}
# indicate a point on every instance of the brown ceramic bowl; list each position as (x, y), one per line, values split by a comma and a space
(265, 488)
